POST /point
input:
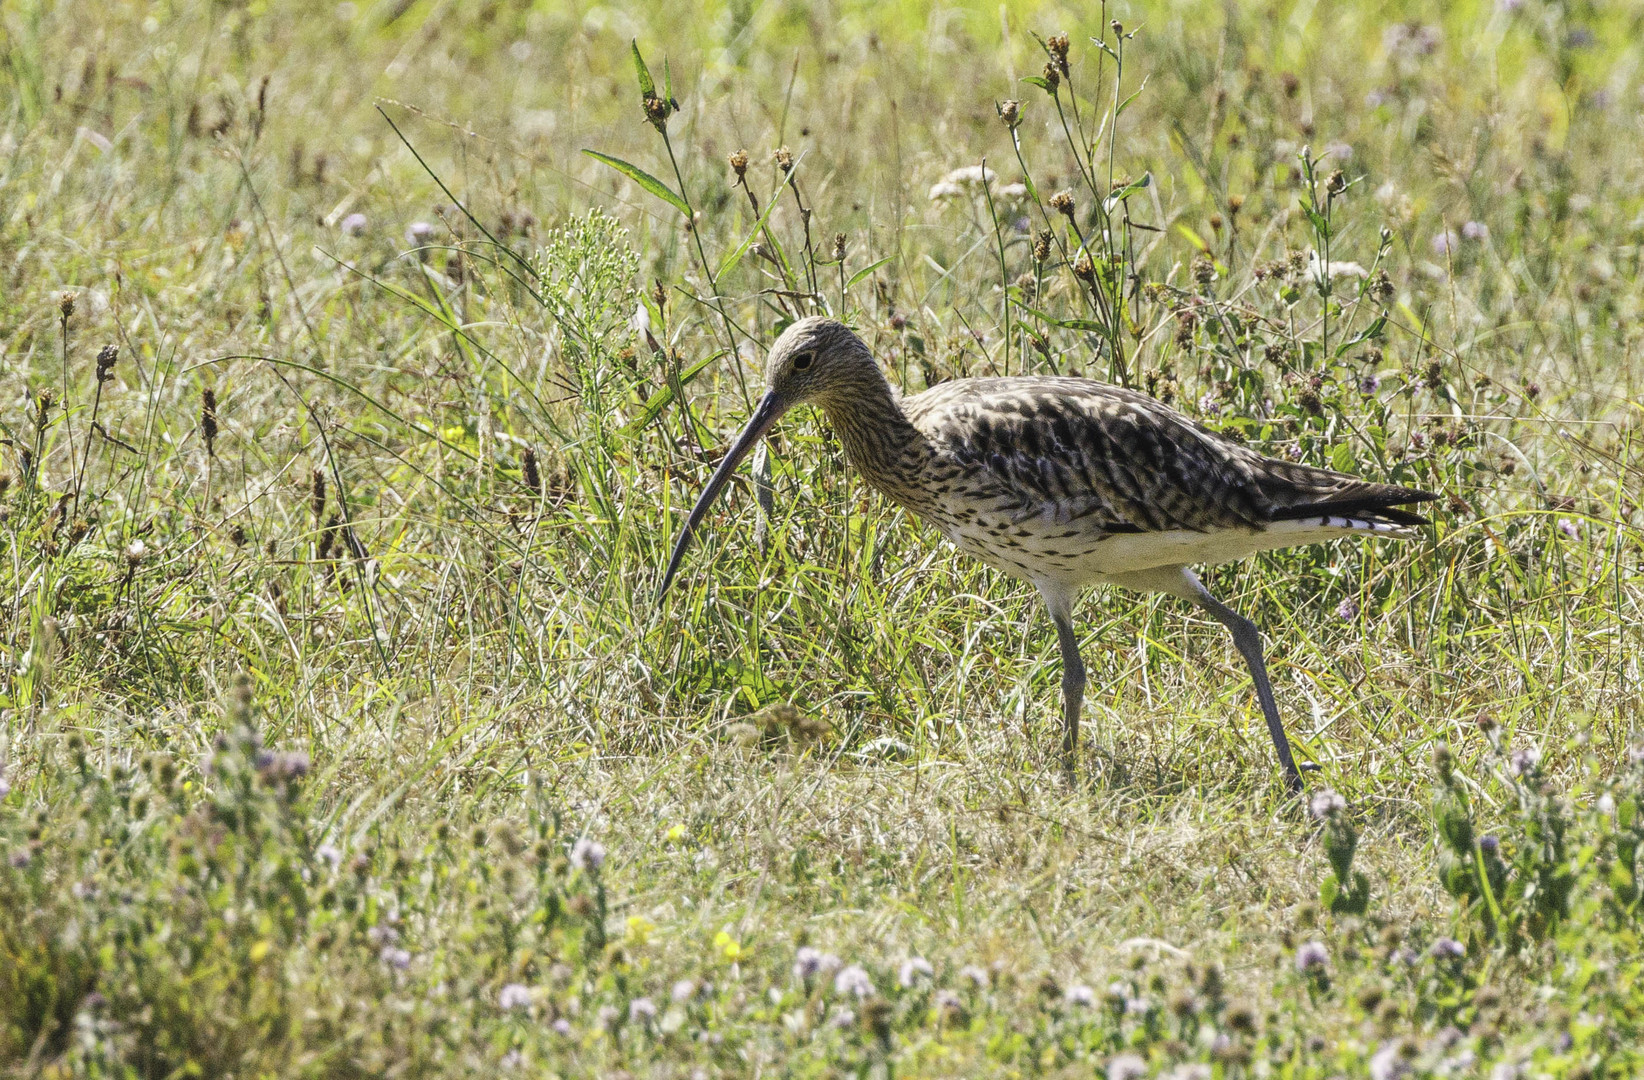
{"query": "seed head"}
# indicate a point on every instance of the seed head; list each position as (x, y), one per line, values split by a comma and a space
(1041, 245)
(1058, 46)
(1010, 111)
(739, 163)
(106, 356)
(1204, 270)
(839, 247)
(317, 494)
(208, 419)
(1062, 203)
(65, 305)
(1118, 28)
(1381, 288)
(1335, 183)
(1053, 78)
(532, 476)
(1083, 267)
(783, 158)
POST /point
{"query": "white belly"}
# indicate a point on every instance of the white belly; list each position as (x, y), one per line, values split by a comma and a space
(1061, 552)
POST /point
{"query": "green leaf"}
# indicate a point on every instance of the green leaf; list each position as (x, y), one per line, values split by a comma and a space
(1065, 324)
(1038, 80)
(1120, 111)
(643, 179)
(865, 271)
(647, 88)
(1192, 237)
(667, 84)
(658, 401)
(1128, 190)
(735, 257)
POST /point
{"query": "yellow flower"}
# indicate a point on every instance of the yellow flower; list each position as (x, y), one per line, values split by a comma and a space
(676, 834)
(639, 929)
(727, 946)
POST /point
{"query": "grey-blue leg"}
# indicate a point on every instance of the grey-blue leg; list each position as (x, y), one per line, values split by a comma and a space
(1249, 642)
(1060, 602)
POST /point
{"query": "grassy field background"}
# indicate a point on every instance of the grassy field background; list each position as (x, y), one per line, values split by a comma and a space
(343, 734)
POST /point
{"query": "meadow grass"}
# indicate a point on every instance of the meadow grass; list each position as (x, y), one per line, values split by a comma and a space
(350, 410)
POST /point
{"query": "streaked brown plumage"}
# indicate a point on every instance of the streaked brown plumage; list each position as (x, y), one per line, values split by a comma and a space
(1066, 483)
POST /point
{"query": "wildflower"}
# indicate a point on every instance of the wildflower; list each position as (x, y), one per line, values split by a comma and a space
(1057, 46)
(944, 190)
(514, 997)
(843, 1018)
(561, 1026)
(1012, 191)
(607, 1016)
(1445, 242)
(1196, 1070)
(978, 976)
(1448, 948)
(418, 233)
(1209, 405)
(1369, 384)
(587, 855)
(354, 224)
(912, 969)
(19, 858)
(683, 991)
(1010, 112)
(1081, 995)
(1204, 270)
(1389, 1063)
(1490, 844)
(1312, 958)
(1604, 805)
(809, 962)
(853, 980)
(396, 958)
(1569, 528)
(328, 853)
(728, 946)
(641, 1009)
(1326, 803)
(136, 552)
(1523, 761)
(382, 935)
(1475, 230)
(1126, 1067)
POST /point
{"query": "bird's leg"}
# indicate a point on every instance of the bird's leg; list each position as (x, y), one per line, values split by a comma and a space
(1249, 642)
(1060, 603)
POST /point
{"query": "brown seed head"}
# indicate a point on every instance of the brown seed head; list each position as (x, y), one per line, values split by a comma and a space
(532, 475)
(839, 247)
(1062, 203)
(1083, 267)
(106, 356)
(65, 305)
(783, 158)
(1010, 111)
(208, 419)
(1053, 78)
(1335, 183)
(1041, 245)
(317, 495)
(1204, 270)
(1235, 203)
(1381, 288)
(1058, 46)
(739, 163)
(1118, 28)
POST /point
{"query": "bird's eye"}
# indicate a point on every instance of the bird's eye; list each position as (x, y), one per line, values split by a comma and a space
(803, 361)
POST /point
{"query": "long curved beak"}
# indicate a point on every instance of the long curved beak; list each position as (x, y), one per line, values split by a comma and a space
(765, 415)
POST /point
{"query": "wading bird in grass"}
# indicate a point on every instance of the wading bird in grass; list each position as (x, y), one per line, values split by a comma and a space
(1066, 483)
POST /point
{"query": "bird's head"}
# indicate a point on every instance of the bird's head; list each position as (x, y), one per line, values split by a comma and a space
(815, 361)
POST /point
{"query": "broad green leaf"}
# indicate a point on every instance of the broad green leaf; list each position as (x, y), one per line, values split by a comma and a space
(647, 88)
(1120, 111)
(658, 401)
(1038, 80)
(643, 179)
(865, 271)
(735, 257)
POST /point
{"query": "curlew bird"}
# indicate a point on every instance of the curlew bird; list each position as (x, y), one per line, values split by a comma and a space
(1066, 483)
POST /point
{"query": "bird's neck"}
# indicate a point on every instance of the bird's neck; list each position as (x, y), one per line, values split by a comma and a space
(878, 438)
